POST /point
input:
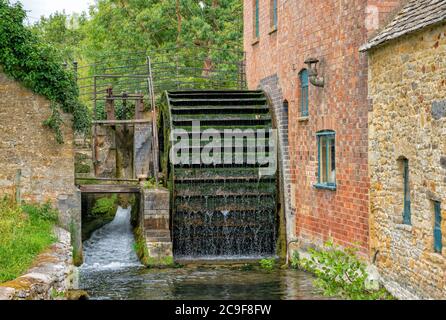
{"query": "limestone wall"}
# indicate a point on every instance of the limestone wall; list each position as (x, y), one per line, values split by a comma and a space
(47, 168)
(50, 277)
(407, 118)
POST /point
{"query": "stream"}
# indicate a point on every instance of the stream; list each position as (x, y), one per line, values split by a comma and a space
(111, 271)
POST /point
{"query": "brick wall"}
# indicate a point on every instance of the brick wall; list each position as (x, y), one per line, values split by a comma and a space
(47, 168)
(271, 86)
(408, 119)
(331, 31)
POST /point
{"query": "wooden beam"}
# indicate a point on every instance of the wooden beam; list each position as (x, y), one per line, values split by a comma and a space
(112, 188)
(123, 122)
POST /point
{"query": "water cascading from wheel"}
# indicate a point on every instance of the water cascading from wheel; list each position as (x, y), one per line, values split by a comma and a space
(224, 210)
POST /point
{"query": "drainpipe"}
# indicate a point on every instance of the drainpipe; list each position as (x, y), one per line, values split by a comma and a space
(288, 250)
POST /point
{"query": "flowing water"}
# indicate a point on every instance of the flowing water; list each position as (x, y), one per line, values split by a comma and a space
(112, 271)
(111, 247)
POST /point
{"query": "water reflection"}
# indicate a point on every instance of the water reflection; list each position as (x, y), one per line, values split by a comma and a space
(198, 284)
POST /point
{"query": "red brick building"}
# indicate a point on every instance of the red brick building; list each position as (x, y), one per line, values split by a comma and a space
(322, 119)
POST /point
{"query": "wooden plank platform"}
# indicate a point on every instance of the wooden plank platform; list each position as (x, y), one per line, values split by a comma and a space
(111, 188)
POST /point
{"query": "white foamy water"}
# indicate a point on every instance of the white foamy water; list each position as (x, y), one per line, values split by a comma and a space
(112, 246)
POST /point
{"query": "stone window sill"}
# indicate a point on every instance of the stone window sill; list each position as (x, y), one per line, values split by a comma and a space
(404, 227)
(322, 186)
(303, 119)
(255, 41)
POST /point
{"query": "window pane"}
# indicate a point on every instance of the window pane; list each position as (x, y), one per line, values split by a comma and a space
(406, 213)
(275, 13)
(438, 236)
(305, 101)
(257, 18)
(323, 160)
(332, 159)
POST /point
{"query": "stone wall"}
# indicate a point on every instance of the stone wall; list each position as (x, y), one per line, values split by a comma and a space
(156, 225)
(50, 277)
(306, 29)
(46, 168)
(407, 118)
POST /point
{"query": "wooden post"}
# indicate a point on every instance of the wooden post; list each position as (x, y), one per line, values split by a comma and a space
(124, 105)
(18, 195)
(139, 107)
(110, 104)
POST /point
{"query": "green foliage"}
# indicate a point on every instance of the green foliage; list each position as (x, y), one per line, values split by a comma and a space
(62, 32)
(117, 27)
(339, 272)
(268, 264)
(152, 184)
(36, 64)
(57, 295)
(54, 122)
(106, 206)
(44, 212)
(24, 233)
(295, 261)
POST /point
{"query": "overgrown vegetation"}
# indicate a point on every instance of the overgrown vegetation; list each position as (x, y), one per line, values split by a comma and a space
(103, 212)
(339, 272)
(152, 184)
(34, 62)
(268, 264)
(25, 231)
(105, 207)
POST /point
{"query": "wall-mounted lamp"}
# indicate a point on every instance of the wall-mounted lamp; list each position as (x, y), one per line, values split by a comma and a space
(315, 80)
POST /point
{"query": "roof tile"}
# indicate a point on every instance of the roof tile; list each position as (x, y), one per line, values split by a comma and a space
(415, 15)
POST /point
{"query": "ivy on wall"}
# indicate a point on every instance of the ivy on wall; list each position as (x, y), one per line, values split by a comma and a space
(39, 67)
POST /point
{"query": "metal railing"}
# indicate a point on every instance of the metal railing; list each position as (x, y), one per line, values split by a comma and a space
(147, 74)
(172, 68)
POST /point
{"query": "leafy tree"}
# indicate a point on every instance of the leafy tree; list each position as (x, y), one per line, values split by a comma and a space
(64, 32)
(116, 26)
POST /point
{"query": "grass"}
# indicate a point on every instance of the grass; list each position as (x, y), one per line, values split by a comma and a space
(25, 231)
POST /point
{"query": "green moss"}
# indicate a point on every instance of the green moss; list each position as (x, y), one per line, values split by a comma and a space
(165, 262)
(143, 253)
(78, 258)
(140, 246)
(81, 168)
(281, 240)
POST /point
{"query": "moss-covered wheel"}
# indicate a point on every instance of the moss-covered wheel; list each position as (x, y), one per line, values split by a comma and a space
(225, 204)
